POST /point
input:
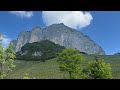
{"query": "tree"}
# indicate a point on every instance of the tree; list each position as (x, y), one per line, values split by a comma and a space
(10, 56)
(7, 56)
(98, 69)
(2, 61)
(70, 61)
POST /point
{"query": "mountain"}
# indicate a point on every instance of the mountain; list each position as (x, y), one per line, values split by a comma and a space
(42, 50)
(14, 42)
(62, 35)
(117, 53)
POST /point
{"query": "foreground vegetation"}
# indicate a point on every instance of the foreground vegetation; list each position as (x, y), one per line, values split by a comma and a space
(7, 56)
(114, 61)
(71, 61)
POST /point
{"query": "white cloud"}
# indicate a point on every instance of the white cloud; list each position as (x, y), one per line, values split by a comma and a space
(5, 40)
(73, 19)
(22, 14)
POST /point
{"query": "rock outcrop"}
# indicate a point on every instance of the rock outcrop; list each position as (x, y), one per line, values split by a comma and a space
(62, 35)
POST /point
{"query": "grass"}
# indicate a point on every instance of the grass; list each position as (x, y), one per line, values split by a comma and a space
(37, 70)
(50, 68)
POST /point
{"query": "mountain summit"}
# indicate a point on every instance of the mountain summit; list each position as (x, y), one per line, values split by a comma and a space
(62, 35)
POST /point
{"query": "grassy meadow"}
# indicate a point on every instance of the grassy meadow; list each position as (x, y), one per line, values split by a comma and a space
(50, 68)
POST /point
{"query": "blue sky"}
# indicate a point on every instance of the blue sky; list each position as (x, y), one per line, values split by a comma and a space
(101, 26)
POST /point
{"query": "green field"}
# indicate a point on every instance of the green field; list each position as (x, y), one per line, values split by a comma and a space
(37, 70)
(50, 68)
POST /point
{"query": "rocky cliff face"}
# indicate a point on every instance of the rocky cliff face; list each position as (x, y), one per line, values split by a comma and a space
(62, 35)
(36, 35)
(23, 38)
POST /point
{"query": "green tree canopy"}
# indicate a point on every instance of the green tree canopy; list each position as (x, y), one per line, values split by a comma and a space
(70, 61)
(7, 56)
(98, 69)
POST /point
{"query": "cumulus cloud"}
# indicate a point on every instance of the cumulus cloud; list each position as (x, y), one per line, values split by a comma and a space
(73, 19)
(5, 40)
(22, 14)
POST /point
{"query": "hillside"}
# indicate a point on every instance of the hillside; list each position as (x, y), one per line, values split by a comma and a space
(42, 50)
(50, 68)
(117, 53)
(37, 70)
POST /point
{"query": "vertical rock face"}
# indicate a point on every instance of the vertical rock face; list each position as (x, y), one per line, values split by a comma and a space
(62, 35)
(23, 38)
(56, 33)
(36, 34)
(70, 38)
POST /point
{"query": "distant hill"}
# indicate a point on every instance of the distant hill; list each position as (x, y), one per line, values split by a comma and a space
(42, 50)
(62, 35)
(117, 53)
